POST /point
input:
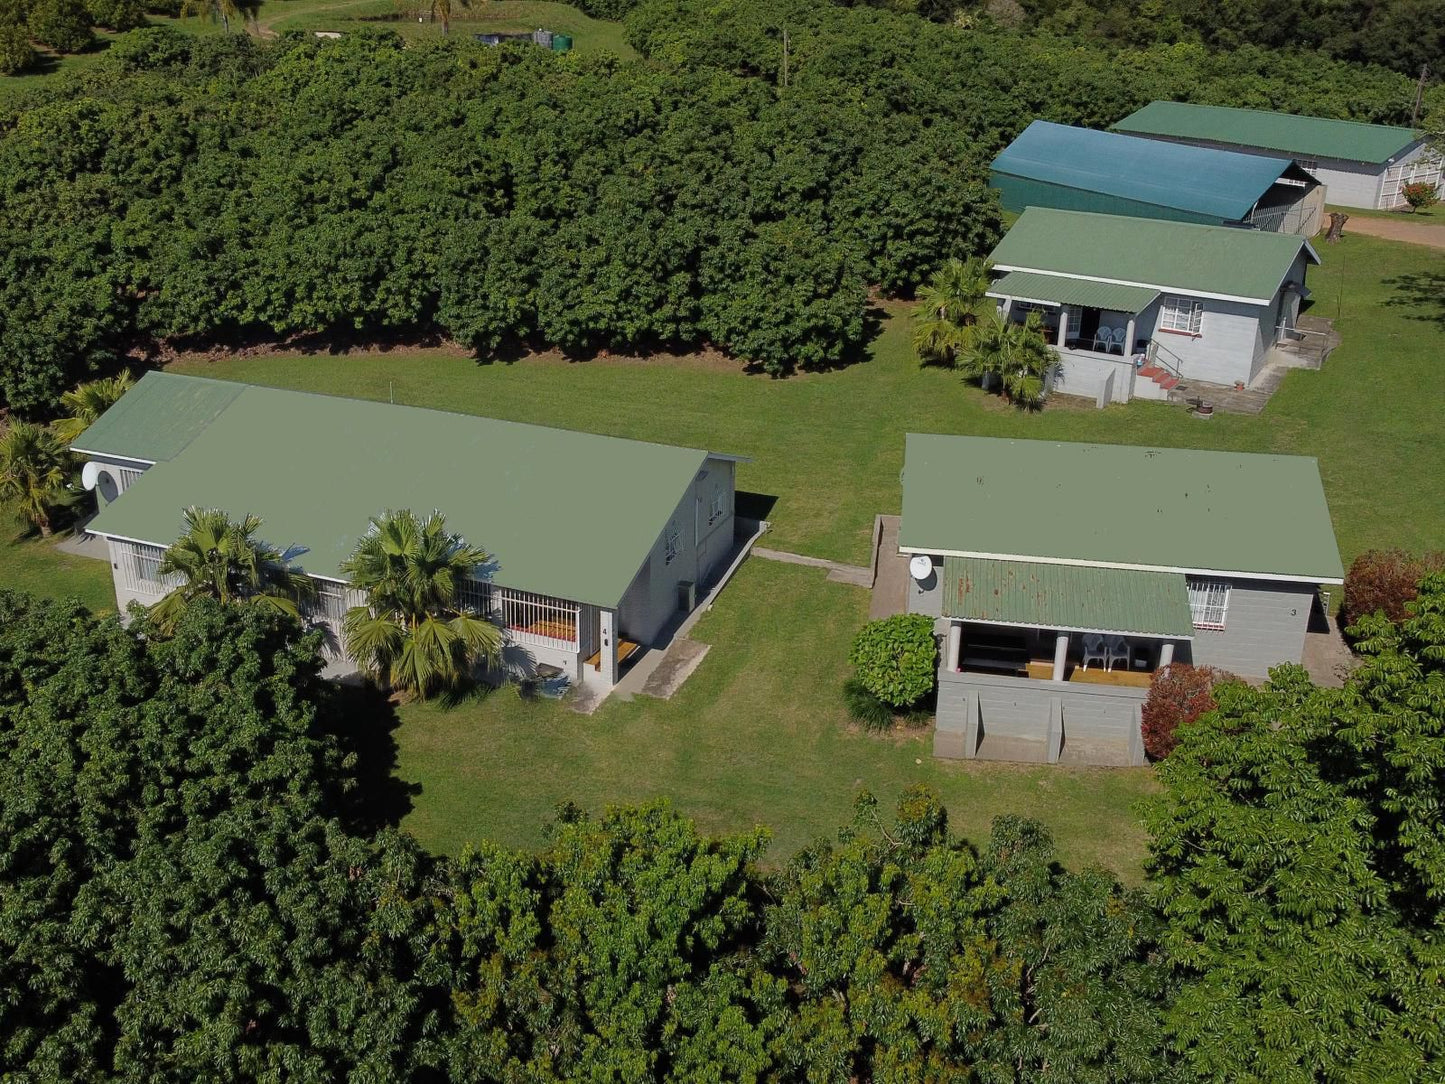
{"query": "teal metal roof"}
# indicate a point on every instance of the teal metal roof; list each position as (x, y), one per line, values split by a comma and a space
(158, 417)
(1073, 597)
(1301, 137)
(1179, 257)
(1053, 289)
(1163, 509)
(567, 514)
(1222, 184)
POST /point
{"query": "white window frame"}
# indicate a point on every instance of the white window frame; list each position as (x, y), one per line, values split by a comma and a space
(671, 543)
(147, 562)
(1208, 603)
(1181, 315)
(718, 506)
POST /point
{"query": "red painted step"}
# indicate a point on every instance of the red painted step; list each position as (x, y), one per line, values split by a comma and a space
(1151, 371)
(1166, 382)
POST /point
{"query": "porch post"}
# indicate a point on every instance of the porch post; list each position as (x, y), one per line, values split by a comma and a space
(1166, 654)
(955, 642)
(1129, 336)
(1063, 326)
(1004, 306)
(608, 635)
(1061, 655)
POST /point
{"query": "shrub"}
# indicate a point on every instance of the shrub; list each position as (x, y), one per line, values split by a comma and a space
(116, 14)
(897, 658)
(1420, 195)
(63, 25)
(16, 53)
(864, 708)
(1382, 581)
(1178, 694)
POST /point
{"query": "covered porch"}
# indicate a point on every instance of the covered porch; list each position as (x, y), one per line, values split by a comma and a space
(1100, 329)
(1052, 662)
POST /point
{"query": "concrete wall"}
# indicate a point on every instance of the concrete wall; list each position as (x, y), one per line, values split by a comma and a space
(1032, 720)
(115, 476)
(1264, 626)
(704, 542)
(1350, 184)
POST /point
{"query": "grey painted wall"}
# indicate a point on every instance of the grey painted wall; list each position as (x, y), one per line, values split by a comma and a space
(651, 601)
(1264, 626)
(1096, 724)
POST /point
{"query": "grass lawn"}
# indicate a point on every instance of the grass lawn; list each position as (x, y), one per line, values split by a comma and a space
(29, 564)
(757, 734)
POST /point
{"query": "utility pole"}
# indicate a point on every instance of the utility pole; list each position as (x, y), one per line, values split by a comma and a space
(1419, 95)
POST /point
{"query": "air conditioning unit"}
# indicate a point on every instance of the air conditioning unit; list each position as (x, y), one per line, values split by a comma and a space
(686, 596)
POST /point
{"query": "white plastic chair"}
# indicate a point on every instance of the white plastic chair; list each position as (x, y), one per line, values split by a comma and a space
(1118, 652)
(1095, 650)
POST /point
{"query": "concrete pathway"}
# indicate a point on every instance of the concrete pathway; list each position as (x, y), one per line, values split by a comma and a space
(1326, 656)
(890, 588)
(84, 544)
(1398, 229)
(838, 573)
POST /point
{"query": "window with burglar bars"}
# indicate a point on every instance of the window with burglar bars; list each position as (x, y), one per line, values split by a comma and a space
(528, 618)
(1182, 314)
(718, 508)
(1208, 603)
(670, 543)
(148, 563)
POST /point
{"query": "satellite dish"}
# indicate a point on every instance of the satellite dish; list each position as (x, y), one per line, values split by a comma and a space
(90, 473)
(920, 568)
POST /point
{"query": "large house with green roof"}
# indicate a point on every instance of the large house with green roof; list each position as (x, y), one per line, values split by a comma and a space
(1360, 165)
(1080, 169)
(1134, 306)
(1062, 576)
(597, 541)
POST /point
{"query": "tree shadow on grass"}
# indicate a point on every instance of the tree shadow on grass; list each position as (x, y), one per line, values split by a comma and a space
(1423, 291)
(363, 720)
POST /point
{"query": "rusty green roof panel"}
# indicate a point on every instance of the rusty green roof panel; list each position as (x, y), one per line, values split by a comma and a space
(1067, 597)
(158, 417)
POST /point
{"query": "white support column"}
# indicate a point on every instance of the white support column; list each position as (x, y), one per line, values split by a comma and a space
(1166, 654)
(608, 621)
(955, 643)
(1063, 326)
(1129, 337)
(1061, 655)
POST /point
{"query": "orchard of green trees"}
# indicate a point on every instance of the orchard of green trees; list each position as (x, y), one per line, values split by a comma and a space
(198, 882)
(212, 190)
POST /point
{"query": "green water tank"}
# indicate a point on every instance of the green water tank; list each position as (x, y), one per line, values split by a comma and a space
(561, 43)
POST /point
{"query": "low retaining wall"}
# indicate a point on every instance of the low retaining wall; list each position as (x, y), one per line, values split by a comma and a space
(1012, 718)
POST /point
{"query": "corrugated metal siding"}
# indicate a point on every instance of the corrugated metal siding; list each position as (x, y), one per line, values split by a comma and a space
(1066, 596)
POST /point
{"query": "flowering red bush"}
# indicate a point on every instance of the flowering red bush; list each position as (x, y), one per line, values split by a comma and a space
(1383, 581)
(1420, 195)
(1178, 694)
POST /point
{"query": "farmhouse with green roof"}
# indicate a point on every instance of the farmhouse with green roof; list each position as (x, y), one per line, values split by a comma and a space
(597, 540)
(1360, 165)
(1063, 575)
(1134, 306)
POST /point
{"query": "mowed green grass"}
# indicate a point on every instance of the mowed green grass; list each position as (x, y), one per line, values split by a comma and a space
(29, 564)
(757, 735)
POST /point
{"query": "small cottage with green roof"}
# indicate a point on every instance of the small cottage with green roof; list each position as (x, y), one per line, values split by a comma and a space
(598, 542)
(1064, 575)
(1360, 165)
(1134, 306)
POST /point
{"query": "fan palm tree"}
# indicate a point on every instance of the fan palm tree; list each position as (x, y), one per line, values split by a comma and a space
(35, 469)
(224, 10)
(442, 9)
(415, 632)
(1016, 354)
(949, 307)
(220, 559)
(87, 403)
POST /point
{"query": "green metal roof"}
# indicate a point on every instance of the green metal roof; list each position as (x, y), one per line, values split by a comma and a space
(1304, 137)
(1030, 286)
(1067, 597)
(1181, 257)
(567, 514)
(158, 417)
(1118, 505)
(1223, 185)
